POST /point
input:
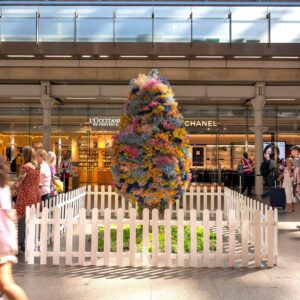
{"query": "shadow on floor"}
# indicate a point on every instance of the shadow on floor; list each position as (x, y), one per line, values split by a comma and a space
(131, 272)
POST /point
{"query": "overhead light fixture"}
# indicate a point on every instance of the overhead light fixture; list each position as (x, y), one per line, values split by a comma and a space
(248, 57)
(19, 56)
(171, 56)
(81, 98)
(210, 56)
(285, 57)
(86, 56)
(58, 56)
(103, 56)
(24, 98)
(224, 99)
(133, 56)
(281, 99)
(117, 98)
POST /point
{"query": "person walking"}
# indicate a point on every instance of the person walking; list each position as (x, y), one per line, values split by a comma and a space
(288, 178)
(45, 175)
(247, 166)
(7, 284)
(19, 163)
(66, 170)
(28, 189)
(270, 165)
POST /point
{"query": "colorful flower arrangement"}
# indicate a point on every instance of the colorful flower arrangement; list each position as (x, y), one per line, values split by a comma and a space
(151, 152)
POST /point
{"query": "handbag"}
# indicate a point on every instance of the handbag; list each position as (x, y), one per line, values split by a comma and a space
(59, 185)
(8, 232)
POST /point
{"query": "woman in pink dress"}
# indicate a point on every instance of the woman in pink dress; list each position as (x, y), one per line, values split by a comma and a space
(28, 189)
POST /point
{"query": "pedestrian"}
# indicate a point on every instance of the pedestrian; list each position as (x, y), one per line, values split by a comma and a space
(288, 178)
(28, 189)
(19, 163)
(66, 170)
(247, 169)
(51, 160)
(295, 151)
(269, 174)
(7, 284)
(45, 175)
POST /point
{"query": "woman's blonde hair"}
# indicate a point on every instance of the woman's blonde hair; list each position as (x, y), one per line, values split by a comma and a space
(289, 160)
(29, 155)
(51, 158)
(42, 153)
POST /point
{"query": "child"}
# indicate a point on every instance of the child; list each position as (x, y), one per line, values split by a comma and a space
(7, 284)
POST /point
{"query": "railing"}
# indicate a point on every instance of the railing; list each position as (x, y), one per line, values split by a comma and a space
(245, 232)
(199, 198)
(230, 249)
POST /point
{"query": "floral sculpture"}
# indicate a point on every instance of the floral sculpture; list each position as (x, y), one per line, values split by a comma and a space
(151, 152)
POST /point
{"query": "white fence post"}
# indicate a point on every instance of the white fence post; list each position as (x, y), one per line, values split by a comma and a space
(206, 229)
(193, 230)
(56, 236)
(107, 217)
(155, 247)
(270, 234)
(132, 247)
(245, 237)
(119, 236)
(168, 243)
(43, 238)
(82, 218)
(231, 228)
(219, 225)
(180, 238)
(257, 244)
(145, 247)
(94, 237)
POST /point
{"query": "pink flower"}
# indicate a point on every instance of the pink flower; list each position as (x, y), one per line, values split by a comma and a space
(153, 104)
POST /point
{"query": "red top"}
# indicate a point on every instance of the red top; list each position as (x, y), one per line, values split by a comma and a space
(247, 166)
(28, 193)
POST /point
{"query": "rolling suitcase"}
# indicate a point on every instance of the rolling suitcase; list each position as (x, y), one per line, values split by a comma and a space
(277, 197)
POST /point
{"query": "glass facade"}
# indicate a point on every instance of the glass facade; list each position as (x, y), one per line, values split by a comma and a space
(222, 145)
(183, 24)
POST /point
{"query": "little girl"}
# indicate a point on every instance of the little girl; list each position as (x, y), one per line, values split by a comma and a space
(288, 177)
(7, 284)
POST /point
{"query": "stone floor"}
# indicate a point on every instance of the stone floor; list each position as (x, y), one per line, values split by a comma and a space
(95, 283)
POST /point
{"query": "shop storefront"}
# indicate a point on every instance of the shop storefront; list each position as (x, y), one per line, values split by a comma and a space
(218, 136)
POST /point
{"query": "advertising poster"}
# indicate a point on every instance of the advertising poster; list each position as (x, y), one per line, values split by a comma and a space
(277, 147)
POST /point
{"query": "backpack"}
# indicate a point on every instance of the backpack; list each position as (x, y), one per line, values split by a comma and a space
(265, 168)
(13, 165)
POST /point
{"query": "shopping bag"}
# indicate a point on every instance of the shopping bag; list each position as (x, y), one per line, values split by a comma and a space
(8, 232)
(59, 186)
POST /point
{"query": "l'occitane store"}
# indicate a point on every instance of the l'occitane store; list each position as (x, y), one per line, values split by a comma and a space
(218, 137)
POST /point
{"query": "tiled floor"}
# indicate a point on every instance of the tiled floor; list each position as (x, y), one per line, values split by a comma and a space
(281, 282)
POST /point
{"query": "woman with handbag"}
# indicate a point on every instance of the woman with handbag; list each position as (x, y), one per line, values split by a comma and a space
(8, 240)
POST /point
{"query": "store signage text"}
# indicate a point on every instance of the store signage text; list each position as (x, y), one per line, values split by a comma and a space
(200, 123)
(104, 122)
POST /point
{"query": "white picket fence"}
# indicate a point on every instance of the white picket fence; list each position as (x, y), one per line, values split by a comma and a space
(74, 199)
(233, 249)
(245, 231)
(199, 198)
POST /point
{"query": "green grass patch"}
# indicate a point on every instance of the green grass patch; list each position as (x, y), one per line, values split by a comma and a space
(161, 239)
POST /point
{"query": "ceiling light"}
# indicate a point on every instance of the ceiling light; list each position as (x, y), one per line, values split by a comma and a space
(24, 98)
(171, 56)
(248, 57)
(133, 56)
(81, 98)
(117, 98)
(86, 56)
(103, 56)
(224, 99)
(281, 99)
(58, 56)
(19, 56)
(209, 56)
(285, 57)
